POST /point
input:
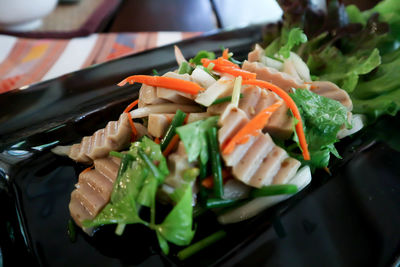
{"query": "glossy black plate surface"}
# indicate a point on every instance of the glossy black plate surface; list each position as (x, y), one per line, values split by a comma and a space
(351, 218)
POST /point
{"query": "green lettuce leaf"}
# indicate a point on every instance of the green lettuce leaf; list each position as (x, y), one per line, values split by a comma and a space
(322, 118)
(194, 138)
(344, 70)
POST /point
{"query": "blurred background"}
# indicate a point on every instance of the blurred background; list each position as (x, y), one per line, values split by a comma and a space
(43, 39)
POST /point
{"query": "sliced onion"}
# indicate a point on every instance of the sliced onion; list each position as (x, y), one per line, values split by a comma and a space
(178, 55)
(254, 207)
(163, 108)
(301, 67)
(202, 77)
(272, 63)
(234, 189)
(61, 150)
(357, 121)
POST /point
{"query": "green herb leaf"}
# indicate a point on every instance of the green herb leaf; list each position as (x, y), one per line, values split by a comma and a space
(323, 118)
(295, 37)
(185, 68)
(202, 54)
(194, 138)
(177, 226)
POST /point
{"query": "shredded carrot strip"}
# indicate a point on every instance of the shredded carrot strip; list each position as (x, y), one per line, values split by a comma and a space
(208, 182)
(236, 72)
(157, 140)
(225, 66)
(171, 145)
(134, 131)
(87, 169)
(131, 105)
(292, 105)
(225, 53)
(252, 128)
(166, 82)
(219, 61)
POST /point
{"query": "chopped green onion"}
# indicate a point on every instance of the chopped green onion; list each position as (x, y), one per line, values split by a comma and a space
(208, 71)
(271, 190)
(185, 68)
(155, 72)
(71, 231)
(221, 203)
(196, 247)
(203, 170)
(116, 154)
(178, 120)
(215, 161)
(224, 99)
(125, 161)
(236, 91)
(156, 172)
(120, 229)
(210, 66)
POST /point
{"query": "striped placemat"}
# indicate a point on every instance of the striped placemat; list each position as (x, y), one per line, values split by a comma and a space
(26, 61)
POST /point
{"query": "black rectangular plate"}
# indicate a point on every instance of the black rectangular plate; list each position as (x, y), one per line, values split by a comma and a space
(351, 218)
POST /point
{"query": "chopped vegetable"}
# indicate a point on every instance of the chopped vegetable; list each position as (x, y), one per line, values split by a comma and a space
(174, 141)
(193, 136)
(215, 161)
(292, 106)
(271, 190)
(200, 245)
(185, 68)
(200, 55)
(225, 54)
(165, 82)
(226, 66)
(213, 203)
(87, 169)
(224, 99)
(177, 121)
(131, 105)
(236, 91)
(252, 128)
(208, 182)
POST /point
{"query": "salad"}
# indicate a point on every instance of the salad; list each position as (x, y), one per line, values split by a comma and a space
(236, 137)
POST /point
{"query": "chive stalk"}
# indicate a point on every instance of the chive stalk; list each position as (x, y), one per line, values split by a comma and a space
(153, 168)
(271, 190)
(215, 161)
(224, 99)
(236, 91)
(177, 121)
(221, 203)
(196, 247)
(116, 154)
